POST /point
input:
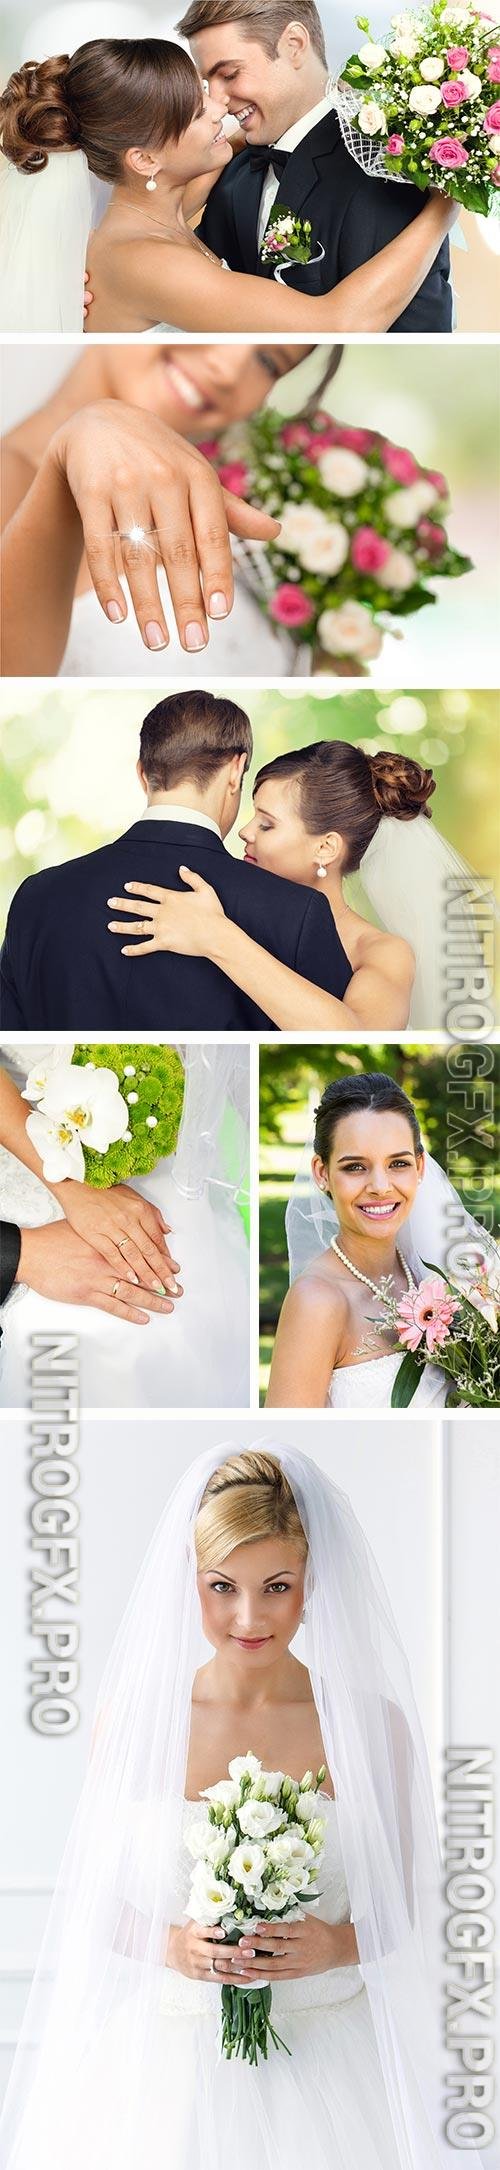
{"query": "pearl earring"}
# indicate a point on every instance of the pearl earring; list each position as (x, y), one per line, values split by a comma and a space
(151, 184)
(321, 871)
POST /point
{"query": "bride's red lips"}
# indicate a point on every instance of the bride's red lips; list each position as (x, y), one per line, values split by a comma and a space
(250, 1642)
(250, 857)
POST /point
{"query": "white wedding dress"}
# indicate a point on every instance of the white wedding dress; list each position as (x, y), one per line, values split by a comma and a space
(243, 644)
(195, 1356)
(369, 1385)
(325, 2106)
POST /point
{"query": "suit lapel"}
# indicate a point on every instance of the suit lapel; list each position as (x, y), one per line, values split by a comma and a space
(311, 170)
(248, 192)
(186, 834)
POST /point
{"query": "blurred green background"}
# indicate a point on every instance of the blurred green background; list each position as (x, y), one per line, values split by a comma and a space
(68, 754)
(292, 1080)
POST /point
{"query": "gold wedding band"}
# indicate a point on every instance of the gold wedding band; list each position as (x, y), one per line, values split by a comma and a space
(123, 1243)
(115, 1288)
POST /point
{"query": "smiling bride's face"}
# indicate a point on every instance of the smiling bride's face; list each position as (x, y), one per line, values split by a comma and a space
(252, 1601)
(372, 1173)
(198, 390)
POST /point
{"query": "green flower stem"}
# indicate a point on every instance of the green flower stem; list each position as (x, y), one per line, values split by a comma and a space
(246, 2023)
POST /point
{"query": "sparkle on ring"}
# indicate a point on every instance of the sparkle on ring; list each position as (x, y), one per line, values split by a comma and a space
(137, 534)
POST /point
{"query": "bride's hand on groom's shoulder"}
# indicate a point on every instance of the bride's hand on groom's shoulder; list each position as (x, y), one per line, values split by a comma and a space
(170, 920)
(141, 489)
(126, 1231)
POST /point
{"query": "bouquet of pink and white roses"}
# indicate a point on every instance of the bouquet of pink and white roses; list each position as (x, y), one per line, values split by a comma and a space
(453, 1323)
(362, 530)
(422, 105)
(257, 1855)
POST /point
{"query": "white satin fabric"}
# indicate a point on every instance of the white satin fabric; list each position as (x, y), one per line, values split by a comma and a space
(369, 1386)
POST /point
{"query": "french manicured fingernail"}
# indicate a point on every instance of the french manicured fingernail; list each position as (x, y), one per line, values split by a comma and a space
(175, 1290)
(217, 607)
(133, 1277)
(115, 612)
(154, 636)
(195, 637)
(160, 1286)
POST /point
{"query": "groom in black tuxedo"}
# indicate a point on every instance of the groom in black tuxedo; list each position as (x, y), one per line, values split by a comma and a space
(61, 969)
(272, 68)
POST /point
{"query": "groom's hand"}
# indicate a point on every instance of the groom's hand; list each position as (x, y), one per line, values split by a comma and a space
(147, 498)
(57, 1264)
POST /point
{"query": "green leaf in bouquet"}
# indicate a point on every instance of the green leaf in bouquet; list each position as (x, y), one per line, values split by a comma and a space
(406, 1382)
(414, 599)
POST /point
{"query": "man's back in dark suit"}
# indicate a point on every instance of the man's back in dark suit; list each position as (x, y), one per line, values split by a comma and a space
(351, 216)
(61, 969)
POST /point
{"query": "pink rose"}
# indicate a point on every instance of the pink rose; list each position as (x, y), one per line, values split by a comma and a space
(394, 146)
(492, 119)
(209, 447)
(449, 152)
(369, 552)
(296, 437)
(433, 538)
(431, 474)
(453, 93)
(457, 56)
(493, 68)
(496, 176)
(235, 477)
(357, 440)
(400, 464)
(291, 607)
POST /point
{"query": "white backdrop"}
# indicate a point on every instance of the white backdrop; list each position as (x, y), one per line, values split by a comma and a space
(427, 1495)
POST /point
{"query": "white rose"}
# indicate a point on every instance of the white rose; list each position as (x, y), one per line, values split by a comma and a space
(494, 143)
(371, 118)
(244, 1767)
(406, 46)
(291, 1854)
(372, 56)
(246, 1866)
(473, 84)
(403, 508)
(342, 471)
(326, 552)
(399, 571)
(432, 69)
(225, 1792)
(424, 101)
(298, 526)
(349, 632)
(269, 1785)
(278, 1894)
(258, 1818)
(210, 1897)
(196, 1840)
(460, 17)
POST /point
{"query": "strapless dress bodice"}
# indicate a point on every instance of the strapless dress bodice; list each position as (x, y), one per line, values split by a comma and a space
(369, 1386)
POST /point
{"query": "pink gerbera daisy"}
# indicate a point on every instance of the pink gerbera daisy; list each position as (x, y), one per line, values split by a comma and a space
(425, 1315)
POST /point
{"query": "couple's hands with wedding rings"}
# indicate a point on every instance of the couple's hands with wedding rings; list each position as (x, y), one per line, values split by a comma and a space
(58, 1264)
(141, 489)
(127, 1232)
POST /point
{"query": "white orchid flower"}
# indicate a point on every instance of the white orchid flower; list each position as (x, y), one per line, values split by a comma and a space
(89, 1101)
(58, 1147)
(37, 1077)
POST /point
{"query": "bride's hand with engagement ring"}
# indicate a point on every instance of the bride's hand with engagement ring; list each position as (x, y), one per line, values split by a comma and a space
(126, 1230)
(195, 1949)
(190, 925)
(135, 482)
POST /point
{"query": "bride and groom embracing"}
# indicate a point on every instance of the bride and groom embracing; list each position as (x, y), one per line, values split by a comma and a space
(146, 119)
(225, 945)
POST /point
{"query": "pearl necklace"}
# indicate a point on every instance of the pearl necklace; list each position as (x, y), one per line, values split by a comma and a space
(365, 1277)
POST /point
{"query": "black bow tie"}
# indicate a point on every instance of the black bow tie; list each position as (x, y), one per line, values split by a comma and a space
(264, 156)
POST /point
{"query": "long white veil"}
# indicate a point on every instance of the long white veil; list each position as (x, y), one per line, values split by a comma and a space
(75, 2096)
(45, 221)
(422, 889)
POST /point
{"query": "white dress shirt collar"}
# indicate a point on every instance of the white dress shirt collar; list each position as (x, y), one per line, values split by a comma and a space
(295, 135)
(170, 811)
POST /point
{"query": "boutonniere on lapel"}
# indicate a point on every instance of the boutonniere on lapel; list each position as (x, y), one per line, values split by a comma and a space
(286, 239)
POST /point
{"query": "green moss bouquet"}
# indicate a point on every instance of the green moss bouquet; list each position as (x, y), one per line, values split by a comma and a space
(106, 1113)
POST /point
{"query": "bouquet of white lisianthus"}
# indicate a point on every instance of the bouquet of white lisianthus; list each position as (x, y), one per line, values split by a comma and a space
(422, 104)
(257, 1857)
(102, 1113)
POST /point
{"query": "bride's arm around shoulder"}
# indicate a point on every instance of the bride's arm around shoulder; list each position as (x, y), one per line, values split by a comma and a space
(379, 992)
(311, 1330)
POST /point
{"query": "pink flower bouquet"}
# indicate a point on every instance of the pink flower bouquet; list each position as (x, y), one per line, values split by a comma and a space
(422, 105)
(363, 530)
(456, 1326)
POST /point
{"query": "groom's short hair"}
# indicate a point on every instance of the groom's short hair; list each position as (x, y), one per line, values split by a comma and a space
(264, 20)
(191, 736)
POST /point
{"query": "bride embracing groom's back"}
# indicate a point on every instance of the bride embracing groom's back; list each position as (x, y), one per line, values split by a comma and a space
(60, 966)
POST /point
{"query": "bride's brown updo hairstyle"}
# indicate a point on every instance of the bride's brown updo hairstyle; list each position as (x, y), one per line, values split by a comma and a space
(248, 1498)
(340, 787)
(111, 95)
(373, 1090)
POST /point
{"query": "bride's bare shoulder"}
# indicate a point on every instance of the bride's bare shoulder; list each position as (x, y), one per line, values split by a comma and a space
(388, 954)
(319, 1299)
